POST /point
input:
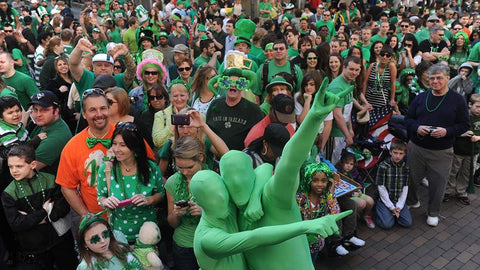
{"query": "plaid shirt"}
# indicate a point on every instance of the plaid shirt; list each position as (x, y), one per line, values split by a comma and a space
(393, 176)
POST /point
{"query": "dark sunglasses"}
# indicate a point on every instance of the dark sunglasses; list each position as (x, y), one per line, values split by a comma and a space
(93, 92)
(95, 239)
(150, 73)
(312, 58)
(8, 31)
(408, 45)
(184, 69)
(404, 26)
(127, 125)
(157, 97)
(111, 101)
(279, 49)
(385, 54)
(458, 29)
(117, 67)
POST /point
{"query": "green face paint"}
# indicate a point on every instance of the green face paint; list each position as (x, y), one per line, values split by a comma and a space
(95, 239)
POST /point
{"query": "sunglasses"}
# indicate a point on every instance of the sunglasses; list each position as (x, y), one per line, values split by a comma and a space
(279, 49)
(127, 125)
(441, 35)
(8, 31)
(404, 26)
(385, 54)
(93, 92)
(408, 45)
(117, 67)
(157, 97)
(226, 83)
(150, 73)
(312, 58)
(111, 101)
(95, 239)
(458, 29)
(184, 69)
(434, 21)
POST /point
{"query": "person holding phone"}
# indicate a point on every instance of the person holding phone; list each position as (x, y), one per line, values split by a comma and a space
(131, 175)
(183, 212)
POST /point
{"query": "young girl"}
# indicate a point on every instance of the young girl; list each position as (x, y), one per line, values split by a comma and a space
(99, 247)
(364, 202)
(315, 199)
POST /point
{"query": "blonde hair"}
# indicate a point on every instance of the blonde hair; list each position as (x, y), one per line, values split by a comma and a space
(122, 98)
(189, 148)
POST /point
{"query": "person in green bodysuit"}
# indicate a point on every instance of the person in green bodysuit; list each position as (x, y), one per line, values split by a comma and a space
(216, 237)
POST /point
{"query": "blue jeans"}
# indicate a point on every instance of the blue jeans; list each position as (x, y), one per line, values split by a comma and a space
(184, 258)
(386, 220)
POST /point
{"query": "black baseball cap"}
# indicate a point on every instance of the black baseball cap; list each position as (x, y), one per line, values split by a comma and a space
(45, 99)
(284, 108)
(277, 136)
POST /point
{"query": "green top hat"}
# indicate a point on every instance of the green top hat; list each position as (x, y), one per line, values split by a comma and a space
(244, 30)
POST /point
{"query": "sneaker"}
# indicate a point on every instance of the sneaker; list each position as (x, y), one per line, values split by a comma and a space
(341, 251)
(415, 205)
(356, 241)
(432, 221)
(464, 200)
(446, 197)
(369, 221)
(425, 182)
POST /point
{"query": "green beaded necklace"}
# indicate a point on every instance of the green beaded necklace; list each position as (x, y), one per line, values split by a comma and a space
(17, 183)
(436, 107)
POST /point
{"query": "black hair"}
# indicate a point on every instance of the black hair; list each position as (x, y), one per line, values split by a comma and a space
(22, 150)
(8, 102)
(205, 43)
(134, 141)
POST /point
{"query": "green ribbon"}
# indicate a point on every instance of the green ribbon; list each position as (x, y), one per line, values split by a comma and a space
(91, 142)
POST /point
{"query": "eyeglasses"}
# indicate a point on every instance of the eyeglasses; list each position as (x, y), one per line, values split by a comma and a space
(8, 31)
(404, 25)
(111, 101)
(458, 29)
(150, 72)
(279, 48)
(408, 45)
(312, 58)
(225, 82)
(441, 35)
(127, 125)
(93, 92)
(436, 78)
(434, 21)
(95, 239)
(385, 54)
(184, 69)
(157, 97)
(118, 67)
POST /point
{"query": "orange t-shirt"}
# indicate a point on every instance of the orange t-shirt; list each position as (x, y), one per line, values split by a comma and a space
(79, 166)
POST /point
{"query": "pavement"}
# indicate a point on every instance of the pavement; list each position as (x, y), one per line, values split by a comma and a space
(453, 244)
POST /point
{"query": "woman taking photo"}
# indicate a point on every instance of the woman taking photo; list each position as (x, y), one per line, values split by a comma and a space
(183, 213)
(202, 97)
(99, 248)
(130, 176)
(60, 85)
(409, 57)
(162, 125)
(380, 85)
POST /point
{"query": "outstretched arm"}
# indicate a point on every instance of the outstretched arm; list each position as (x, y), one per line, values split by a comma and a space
(218, 244)
(285, 183)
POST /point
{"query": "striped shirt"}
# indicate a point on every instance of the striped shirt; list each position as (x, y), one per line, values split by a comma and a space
(378, 87)
(393, 176)
(38, 56)
(12, 133)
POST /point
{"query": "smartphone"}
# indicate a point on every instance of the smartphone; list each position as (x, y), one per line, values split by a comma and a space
(182, 203)
(180, 119)
(125, 203)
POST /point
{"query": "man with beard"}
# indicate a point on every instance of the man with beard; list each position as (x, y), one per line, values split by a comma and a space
(166, 49)
(232, 116)
(209, 56)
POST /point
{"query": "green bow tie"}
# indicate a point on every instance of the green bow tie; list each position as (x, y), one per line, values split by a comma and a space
(91, 142)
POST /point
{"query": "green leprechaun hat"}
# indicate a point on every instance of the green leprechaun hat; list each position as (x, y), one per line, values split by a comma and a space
(244, 30)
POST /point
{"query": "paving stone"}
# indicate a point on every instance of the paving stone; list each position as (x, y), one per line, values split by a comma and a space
(425, 260)
(470, 266)
(474, 249)
(381, 255)
(464, 256)
(453, 265)
(419, 241)
(439, 263)
(460, 247)
(442, 236)
(398, 266)
(450, 254)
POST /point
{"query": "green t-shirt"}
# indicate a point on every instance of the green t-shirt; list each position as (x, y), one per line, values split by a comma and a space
(201, 61)
(377, 37)
(88, 77)
(258, 54)
(273, 69)
(101, 46)
(103, 13)
(474, 56)
(50, 149)
(115, 35)
(24, 86)
(129, 37)
(17, 54)
(67, 49)
(177, 187)
(119, 14)
(264, 6)
(336, 86)
(7, 92)
(331, 28)
(292, 52)
(422, 35)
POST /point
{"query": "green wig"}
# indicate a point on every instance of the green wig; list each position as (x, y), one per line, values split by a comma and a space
(309, 170)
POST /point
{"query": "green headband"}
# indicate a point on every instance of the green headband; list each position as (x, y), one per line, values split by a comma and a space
(86, 221)
(309, 170)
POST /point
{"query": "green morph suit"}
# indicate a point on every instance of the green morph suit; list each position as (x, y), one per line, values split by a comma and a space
(218, 243)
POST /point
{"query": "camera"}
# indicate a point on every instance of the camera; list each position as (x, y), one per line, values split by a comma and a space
(182, 203)
(180, 119)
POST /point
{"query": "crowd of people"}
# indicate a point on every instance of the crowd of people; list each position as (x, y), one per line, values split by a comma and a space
(106, 117)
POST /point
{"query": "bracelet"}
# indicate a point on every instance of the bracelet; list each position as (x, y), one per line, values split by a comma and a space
(101, 201)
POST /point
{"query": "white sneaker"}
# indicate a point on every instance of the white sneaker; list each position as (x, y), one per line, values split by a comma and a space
(432, 221)
(356, 241)
(341, 251)
(416, 205)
